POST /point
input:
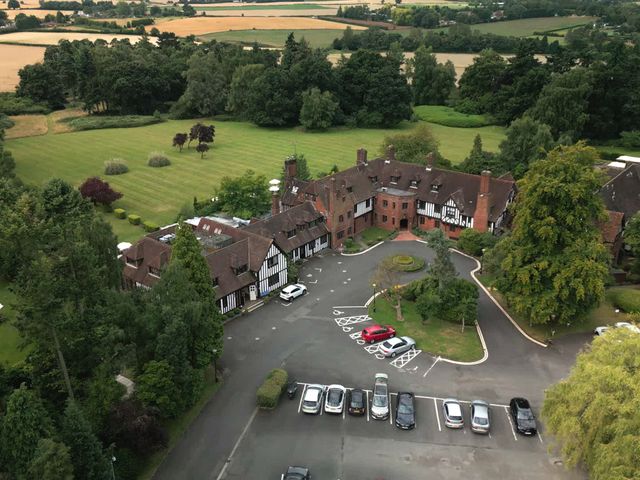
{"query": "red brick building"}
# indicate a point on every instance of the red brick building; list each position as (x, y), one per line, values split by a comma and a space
(395, 195)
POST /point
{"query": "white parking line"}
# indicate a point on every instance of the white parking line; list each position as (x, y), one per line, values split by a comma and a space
(302, 397)
(435, 407)
(506, 411)
(344, 321)
(235, 447)
(367, 393)
(405, 358)
(390, 411)
(434, 364)
(540, 437)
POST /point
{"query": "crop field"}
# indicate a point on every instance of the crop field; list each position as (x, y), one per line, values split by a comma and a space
(528, 26)
(158, 193)
(276, 38)
(371, 3)
(266, 6)
(204, 25)
(12, 59)
(52, 38)
(35, 11)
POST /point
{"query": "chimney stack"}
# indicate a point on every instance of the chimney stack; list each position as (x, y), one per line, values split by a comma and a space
(275, 196)
(483, 203)
(290, 168)
(391, 153)
(431, 161)
(361, 157)
(485, 179)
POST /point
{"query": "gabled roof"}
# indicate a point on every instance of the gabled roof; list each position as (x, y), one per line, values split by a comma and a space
(277, 226)
(622, 193)
(152, 253)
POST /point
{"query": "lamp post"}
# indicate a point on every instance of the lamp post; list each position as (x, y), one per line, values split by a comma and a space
(482, 260)
(113, 459)
(215, 366)
(374, 296)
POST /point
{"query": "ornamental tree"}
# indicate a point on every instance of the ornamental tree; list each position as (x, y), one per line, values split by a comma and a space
(179, 140)
(99, 191)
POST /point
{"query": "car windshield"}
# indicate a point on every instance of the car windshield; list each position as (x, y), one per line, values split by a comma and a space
(380, 401)
(356, 398)
(335, 397)
(525, 414)
(405, 407)
(480, 421)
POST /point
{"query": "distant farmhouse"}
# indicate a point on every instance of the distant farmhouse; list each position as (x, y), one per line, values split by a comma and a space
(250, 261)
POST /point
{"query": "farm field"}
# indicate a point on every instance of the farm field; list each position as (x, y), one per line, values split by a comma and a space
(52, 38)
(203, 25)
(374, 3)
(11, 14)
(241, 12)
(276, 38)
(528, 26)
(267, 6)
(12, 59)
(158, 194)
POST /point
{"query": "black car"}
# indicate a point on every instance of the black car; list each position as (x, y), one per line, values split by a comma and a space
(523, 417)
(405, 411)
(296, 473)
(357, 404)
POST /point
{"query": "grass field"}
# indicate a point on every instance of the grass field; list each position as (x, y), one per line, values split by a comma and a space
(447, 116)
(526, 27)
(295, 6)
(10, 354)
(275, 38)
(158, 194)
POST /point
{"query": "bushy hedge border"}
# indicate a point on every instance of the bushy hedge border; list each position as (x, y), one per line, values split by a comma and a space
(269, 392)
(150, 226)
(134, 219)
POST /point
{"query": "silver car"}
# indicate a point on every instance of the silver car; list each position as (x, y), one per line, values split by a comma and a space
(480, 416)
(334, 402)
(452, 413)
(396, 346)
(380, 403)
(312, 399)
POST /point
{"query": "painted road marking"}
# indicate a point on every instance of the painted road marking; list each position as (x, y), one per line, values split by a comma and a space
(318, 269)
(302, 397)
(309, 275)
(540, 437)
(257, 338)
(229, 338)
(405, 358)
(347, 329)
(344, 321)
(344, 271)
(367, 393)
(273, 328)
(380, 356)
(235, 447)
(390, 411)
(435, 406)
(337, 312)
(506, 411)
(375, 348)
(356, 335)
(434, 364)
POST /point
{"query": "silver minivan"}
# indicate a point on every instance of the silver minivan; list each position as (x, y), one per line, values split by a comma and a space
(380, 403)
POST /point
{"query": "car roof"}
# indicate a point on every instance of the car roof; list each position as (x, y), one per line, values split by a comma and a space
(405, 395)
(453, 406)
(291, 288)
(382, 376)
(302, 470)
(394, 341)
(335, 386)
(521, 402)
(373, 327)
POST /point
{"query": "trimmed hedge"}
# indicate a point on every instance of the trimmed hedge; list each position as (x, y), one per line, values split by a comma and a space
(120, 213)
(102, 121)
(134, 219)
(626, 299)
(115, 167)
(407, 263)
(158, 159)
(150, 226)
(269, 392)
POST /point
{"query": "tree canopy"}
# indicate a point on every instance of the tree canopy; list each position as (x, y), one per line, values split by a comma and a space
(245, 196)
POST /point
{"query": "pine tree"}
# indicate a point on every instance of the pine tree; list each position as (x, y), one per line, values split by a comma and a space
(87, 457)
(442, 267)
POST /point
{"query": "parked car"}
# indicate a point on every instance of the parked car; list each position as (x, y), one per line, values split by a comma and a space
(380, 402)
(452, 413)
(522, 416)
(292, 292)
(334, 400)
(600, 330)
(628, 326)
(296, 473)
(480, 416)
(405, 411)
(357, 402)
(312, 400)
(377, 333)
(397, 345)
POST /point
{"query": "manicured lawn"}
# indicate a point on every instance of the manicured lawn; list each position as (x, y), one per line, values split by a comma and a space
(436, 337)
(276, 38)
(528, 26)
(293, 6)
(10, 354)
(156, 194)
(448, 117)
(373, 235)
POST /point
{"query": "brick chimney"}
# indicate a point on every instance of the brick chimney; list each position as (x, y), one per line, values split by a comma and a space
(391, 153)
(275, 202)
(361, 158)
(290, 168)
(431, 162)
(483, 203)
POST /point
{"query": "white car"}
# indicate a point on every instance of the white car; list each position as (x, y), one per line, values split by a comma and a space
(629, 326)
(292, 291)
(600, 330)
(452, 413)
(312, 400)
(380, 403)
(397, 345)
(334, 400)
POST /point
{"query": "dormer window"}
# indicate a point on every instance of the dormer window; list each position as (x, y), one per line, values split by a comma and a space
(373, 178)
(350, 189)
(414, 184)
(214, 282)
(241, 269)
(435, 187)
(394, 179)
(291, 233)
(154, 271)
(134, 263)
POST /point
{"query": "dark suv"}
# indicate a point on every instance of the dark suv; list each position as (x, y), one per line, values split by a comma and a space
(523, 416)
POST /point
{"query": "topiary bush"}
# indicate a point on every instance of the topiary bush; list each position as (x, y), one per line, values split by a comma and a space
(134, 219)
(120, 213)
(407, 263)
(269, 392)
(150, 226)
(115, 166)
(158, 160)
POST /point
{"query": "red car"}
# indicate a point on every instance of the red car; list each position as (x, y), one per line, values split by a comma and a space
(377, 333)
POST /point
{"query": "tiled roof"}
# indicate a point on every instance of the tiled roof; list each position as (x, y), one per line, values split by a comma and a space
(277, 226)
(622, 193)
(612, 227)
(153, 253)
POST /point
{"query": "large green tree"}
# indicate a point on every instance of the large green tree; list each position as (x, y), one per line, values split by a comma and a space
(432, 82)
(318, 109)
(156, 388)
(527, 141)
(593, 413)
(479, 160)
(24, 424)
(51, 461)
(245, 196)
(41, 83)
(441, 268)
(480, 81)
(243, 77)
(414, 146)
(555, 265)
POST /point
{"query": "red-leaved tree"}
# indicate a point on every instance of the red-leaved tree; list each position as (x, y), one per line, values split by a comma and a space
(99, 191)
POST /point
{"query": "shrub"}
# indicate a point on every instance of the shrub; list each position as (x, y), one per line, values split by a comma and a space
(407, 263)
(11, 104)
(472, 242)
(103, 121)
(350, 246)
(158, 160)
(150, 226)
(134, 219)
(120, 213)
(115, 166)
(627, 300)
(630, 139)
(269, 392)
